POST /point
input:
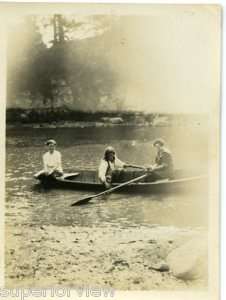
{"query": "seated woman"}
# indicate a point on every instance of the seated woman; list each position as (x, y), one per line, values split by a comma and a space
(51, 161)
(163, 167)
(111, 167)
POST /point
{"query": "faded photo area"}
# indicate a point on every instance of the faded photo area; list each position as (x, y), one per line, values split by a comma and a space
(111, 147)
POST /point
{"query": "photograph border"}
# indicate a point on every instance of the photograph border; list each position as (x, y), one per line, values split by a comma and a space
(214, 229)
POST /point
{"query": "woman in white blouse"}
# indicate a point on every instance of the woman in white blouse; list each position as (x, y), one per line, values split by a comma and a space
(52, 160)
(52, 165)
(109, 164)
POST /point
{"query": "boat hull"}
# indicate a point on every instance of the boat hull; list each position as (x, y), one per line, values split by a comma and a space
(88, 180)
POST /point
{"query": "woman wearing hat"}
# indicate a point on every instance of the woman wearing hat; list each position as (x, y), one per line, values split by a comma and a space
(51, 161)
(163, 167)
(111, 165)
(108, 164)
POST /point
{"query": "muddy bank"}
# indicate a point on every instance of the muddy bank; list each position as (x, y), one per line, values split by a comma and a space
(122, 258)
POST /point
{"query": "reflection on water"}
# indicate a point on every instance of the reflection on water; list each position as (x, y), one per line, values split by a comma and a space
(83, 148)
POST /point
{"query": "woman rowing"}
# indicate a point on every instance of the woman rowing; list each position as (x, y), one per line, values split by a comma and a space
(111, 166)
(163, 167)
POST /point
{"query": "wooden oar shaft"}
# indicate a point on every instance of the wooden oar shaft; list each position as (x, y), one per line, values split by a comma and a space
(121, 185)
(86, 199)
(136, 166)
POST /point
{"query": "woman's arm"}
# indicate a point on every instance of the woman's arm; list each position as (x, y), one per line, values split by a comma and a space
(159, 167)
(121, 164)
(59, 164)
(164, 163)
(102, 170)
(126, 165)
(45, 167)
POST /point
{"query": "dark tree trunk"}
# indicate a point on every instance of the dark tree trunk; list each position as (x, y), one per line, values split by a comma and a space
(54, 29)
(58, 29)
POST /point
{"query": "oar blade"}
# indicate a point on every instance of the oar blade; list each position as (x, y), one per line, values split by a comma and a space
(82, 201)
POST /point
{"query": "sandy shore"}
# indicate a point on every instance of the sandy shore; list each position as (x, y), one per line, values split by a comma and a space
(122, 258)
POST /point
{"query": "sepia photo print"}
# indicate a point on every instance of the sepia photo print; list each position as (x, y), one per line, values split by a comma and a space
(111, 147)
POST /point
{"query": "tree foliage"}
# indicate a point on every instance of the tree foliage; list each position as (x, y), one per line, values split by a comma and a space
(82, 64)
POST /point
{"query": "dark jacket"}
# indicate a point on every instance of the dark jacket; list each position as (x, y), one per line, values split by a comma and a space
(164, 161)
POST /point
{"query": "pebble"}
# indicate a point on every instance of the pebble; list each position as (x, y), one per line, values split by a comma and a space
(120, 262)
(136, 281)
(161, 268)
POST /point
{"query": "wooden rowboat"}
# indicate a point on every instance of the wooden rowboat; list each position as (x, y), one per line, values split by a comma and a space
(88, 180)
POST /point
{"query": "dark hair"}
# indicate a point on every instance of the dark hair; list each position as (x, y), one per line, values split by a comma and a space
(107, 151)
(50, 142)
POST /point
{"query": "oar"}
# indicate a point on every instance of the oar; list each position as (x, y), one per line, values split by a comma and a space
(135, 166)
(87, 199)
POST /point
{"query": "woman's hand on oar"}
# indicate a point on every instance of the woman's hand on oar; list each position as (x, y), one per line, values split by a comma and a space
(135, 166)
(88, 198)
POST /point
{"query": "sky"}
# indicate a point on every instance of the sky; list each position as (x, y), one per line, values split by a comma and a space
(169, 61)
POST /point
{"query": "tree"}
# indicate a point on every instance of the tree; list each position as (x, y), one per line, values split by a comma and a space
(83, 64)
(58, 29)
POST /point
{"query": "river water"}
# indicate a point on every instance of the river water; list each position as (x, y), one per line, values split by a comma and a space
(83, 148)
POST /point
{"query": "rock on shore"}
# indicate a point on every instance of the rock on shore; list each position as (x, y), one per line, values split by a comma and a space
(189, 261)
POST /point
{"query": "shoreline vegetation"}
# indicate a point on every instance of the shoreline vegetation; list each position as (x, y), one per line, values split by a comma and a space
(64, 118)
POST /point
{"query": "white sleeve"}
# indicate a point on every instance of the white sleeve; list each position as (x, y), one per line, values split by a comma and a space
(119, 163)
(44, 163)
(102, 170)
(60, 163)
